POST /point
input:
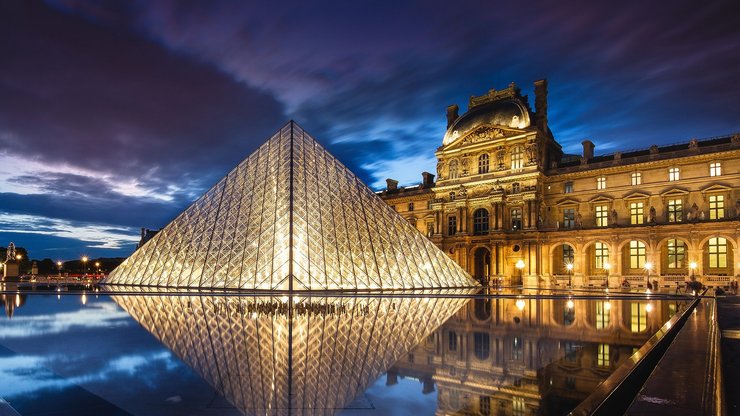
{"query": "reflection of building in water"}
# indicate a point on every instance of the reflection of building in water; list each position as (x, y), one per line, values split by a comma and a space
(505, 191)
(529, 356)
(11, 301)
(266, 357)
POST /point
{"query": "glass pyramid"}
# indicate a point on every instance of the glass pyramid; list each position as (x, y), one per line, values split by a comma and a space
(290, 217)
(289, 356)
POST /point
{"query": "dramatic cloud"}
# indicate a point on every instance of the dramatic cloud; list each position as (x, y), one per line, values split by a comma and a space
(128, 110)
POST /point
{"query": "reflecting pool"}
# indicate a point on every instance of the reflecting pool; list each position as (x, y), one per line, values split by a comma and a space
(155, 354)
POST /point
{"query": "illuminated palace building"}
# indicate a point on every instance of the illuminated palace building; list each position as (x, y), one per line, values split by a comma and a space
(508, 205)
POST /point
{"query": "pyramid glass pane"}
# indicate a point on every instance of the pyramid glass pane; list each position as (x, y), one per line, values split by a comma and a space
(290, 217)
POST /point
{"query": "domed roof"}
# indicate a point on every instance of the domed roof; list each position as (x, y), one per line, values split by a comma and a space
(505, 108)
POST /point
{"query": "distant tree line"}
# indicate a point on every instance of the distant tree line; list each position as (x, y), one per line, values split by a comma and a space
(48, 266)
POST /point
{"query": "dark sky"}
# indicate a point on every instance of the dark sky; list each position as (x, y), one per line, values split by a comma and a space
(117, 114)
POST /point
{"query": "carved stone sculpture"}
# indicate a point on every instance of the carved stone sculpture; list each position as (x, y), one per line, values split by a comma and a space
(532, 153)
(614, 217)
(579, 220)
(651, 215)
(11, 252)
(500, 155)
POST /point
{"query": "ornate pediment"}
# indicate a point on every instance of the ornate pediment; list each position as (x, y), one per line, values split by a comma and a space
(674, 192)
(716, 187)
(567, 201)
(601, 198)
(482, 134)
(636, 195)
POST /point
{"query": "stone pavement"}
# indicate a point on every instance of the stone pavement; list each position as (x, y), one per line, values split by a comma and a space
(728, 315)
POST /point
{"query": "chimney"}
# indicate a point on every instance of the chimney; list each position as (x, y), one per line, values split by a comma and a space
(588, 149)
(540, 104)
(427, 180)
(391, 184)
(143, 232)
(452, 114)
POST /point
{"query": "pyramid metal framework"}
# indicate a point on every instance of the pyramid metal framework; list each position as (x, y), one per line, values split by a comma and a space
(282, 356)
(290, 217)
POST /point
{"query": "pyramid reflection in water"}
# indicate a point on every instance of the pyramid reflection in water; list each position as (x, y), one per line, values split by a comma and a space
(290, 217)
(275, 356)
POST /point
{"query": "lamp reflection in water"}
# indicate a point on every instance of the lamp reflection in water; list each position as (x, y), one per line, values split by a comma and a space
(281, 355)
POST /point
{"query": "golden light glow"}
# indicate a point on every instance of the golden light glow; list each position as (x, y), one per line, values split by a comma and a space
(520, 304)
(569, 266)
(59, 264)
(18, 256)
(693, 265)
(648, 266)
(570, 304)
(520, 264)
(84, 259)
(607, 305)
(649, 307)
(607, 266)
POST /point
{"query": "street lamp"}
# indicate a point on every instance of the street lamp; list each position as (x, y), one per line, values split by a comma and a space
(59, 268)
(520, 265)
(569, 267)
(18, 257)
(97, 267)
(607, 266)
(693, 267)
(84, 263)
(648, 266)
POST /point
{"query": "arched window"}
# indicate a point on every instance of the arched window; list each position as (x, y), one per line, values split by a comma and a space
(483, 163)
(481, 345)
(638, 254)
(480, 221)
(453, 169)
(517, 158)
(676, 254)
(601, 255)
(717, 252)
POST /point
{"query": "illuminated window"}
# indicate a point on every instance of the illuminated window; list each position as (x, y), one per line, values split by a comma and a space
(637, 213)
(411, 206)
(602, 355)
(516, 219)
(638, 317)
(568, 254)
(602, 315)
(483, 163)
(601, 183)
(451, 225)
(717, 253)
(517, 349)
(453, 169)
(676, 254)
(602, 215)
(674, 174)
(452, 341)
(568, 187)
(638, 254)
(517, 158)
(675, 210)
(636, 178)
(430, 229)
(716, 207)
(481, 345)
(518, 406)
(601, 254)
(569, 217)
(480, 222)
(715, 169)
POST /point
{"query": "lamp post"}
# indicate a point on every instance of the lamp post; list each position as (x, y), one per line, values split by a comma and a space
(693, 267)
(84, 263)
(97, 267)
(569, 267)
(648, 266)
(520, 265)
(59, 268)
(607, 266)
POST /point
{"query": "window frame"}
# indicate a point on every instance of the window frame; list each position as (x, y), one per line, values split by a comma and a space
(637, 254)
(716, 206)
(601, 213)
(674, 174)
(636, 178)
(601, 183)
(675, 254)
(715, 169)
(483, 163)
(674, 210)
(517, 158)
(481, 223)
(637, 213)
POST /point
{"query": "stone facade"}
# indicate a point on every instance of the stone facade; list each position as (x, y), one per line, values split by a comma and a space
(507, 194)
